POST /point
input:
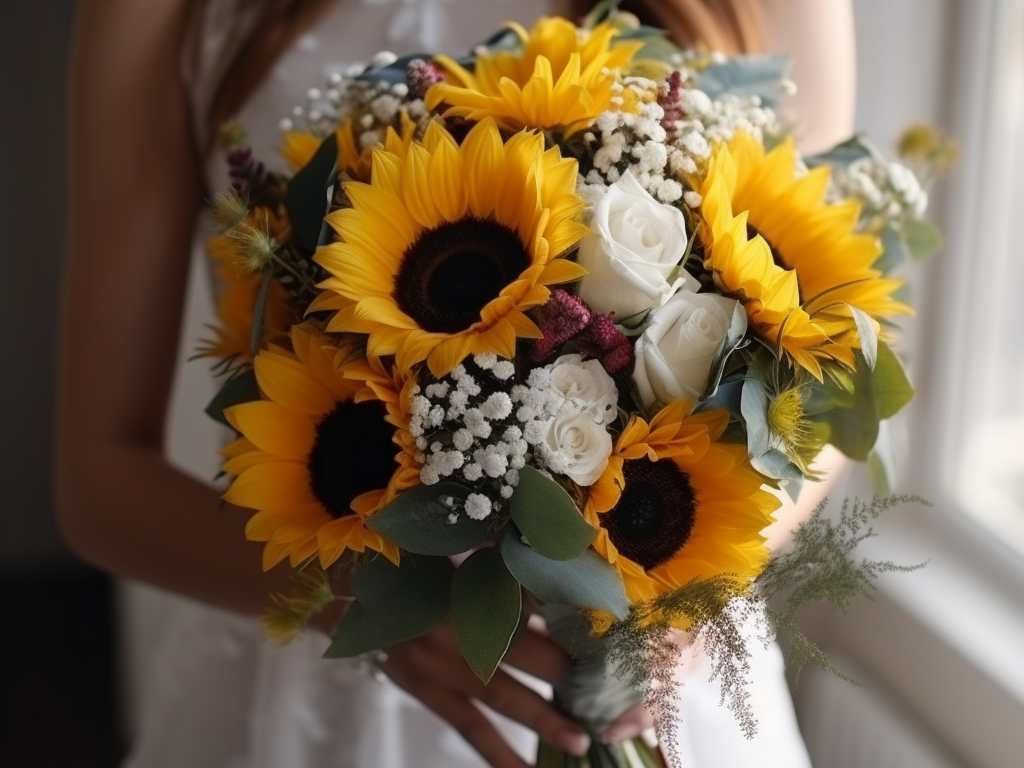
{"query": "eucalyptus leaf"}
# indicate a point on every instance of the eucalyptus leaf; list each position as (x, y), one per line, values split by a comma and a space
(895, 252)
(732, 341)
(793, 487)
(417, 521)
(754, 408)
(922, 238)
(587, 581)
(308, 196)
(745, 76)
(240, 388)
(890, 384)
(819, 397)
(259, 319)
(776, 464)
(548, 517)
(726, 397)
(487, 606)
(504, 39)
(393, 73)
(841, 155)
(600, 11)
(868, 335)
(393, 604)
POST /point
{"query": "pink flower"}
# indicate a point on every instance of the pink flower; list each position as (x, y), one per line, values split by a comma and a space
(671, 100)
(562, 317)
(616, 352)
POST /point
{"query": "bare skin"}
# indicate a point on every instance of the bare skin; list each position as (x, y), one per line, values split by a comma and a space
(133, 165)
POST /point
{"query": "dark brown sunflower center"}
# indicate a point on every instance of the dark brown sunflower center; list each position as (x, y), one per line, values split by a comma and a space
(353, 453)
(452, 271)
(780, 262)
(655, 514)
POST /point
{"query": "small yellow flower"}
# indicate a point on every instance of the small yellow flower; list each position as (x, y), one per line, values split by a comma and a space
(562, 79)
(237, 290)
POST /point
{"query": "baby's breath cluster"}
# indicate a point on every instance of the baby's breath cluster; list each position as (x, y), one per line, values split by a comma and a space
(371, 103)
(670, 136)
(706, 121)
(464, 428)
(634, 142)
(887, 190)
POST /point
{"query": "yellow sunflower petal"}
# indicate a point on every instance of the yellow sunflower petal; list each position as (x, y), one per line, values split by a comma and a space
(398, 267)
(802, 264)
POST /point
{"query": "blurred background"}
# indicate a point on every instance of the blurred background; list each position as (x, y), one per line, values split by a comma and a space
(939, 650)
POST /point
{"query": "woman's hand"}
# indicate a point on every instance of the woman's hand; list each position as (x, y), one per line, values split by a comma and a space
(432, 669)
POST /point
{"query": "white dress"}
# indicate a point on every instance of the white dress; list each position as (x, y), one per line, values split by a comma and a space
(205, 690)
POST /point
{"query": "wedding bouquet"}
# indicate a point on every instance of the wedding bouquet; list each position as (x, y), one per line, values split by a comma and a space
(571, 304)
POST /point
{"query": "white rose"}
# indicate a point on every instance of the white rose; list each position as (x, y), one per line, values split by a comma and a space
(675, 352)
(584, 385)
(635, 244)
(576, 446)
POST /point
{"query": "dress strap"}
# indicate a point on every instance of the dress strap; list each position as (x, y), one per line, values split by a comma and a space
(217, 31)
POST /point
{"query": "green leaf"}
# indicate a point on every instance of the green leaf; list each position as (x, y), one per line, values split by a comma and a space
(729, 344)
(854, 429)
(876, 395)
(890, 384)
(395, 72)
(241, 388)
(417, 521)
(895, 252)
(841, 155)
(754, 408)
(774, 463)
(867, 333)
(259, 316)
(548, 517)
(726, 397)
(588, 581)
(922, 238)
(487, 606)
(745, 76)
(308, 197)
(392, 604)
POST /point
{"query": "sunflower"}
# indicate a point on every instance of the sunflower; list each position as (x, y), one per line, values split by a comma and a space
(442, 253)
(674, 504)
(561, 79)
(353, 158)
(794, 260)
(325, 448)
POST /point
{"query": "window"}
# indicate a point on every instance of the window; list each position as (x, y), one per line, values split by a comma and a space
(970, 339)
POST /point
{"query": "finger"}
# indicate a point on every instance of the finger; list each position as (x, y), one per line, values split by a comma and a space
(508, 696)
(460, 712)
(436, 659)
(630, 724)
(539, 656)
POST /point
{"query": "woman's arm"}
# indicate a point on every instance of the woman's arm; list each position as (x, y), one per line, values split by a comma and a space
(135, 190)
(819, 35)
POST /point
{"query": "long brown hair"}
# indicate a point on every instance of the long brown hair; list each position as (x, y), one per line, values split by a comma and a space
(730, 26)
